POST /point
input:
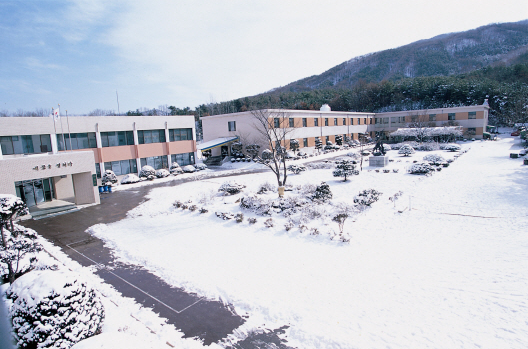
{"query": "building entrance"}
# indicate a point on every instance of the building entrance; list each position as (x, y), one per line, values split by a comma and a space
(35, 191)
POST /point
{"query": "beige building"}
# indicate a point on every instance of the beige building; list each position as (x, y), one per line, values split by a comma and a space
(42, 159)
(308, 125)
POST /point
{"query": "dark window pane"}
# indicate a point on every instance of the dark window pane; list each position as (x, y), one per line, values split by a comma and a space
(141, 138)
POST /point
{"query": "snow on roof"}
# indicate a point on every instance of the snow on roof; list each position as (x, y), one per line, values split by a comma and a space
(216, 143)
(427, 131)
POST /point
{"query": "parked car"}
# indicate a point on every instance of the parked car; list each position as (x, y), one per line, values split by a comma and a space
(516, 133)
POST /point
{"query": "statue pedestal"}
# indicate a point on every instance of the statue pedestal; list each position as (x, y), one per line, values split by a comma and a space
(378, 161)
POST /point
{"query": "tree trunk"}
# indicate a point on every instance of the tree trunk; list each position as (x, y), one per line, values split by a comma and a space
(11, 274)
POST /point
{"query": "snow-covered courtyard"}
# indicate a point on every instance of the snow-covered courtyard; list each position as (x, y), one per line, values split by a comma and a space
(442, 266)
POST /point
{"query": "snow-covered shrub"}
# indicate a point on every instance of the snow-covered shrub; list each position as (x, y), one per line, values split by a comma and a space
(395, 170)
(420, 168)
(311, 212)
(193, 208)
(225, 215)
(177, 204)
(289, 225)
(267, 154)
(53, 309)
(287, 206)
(147, 172)
(344, 169)
(266, 187)
(109, 178)
(322, 193)
(452, 147)
(130, 178)
(175, 169)
(398, 146)
(320, 165)
(257, 205)
(269, 223)
(203, 210)
(386, 147)
(200, 166)
(18, 254)
(239, 217)
(296, 168)
(434, 159)
(252, 220)
(431, 146)
(314, 231)
(406, 150)
(162, 173)
(189, 169)
(367, 197)
(231, 188)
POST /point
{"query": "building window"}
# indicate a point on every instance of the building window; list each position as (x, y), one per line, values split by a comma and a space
(97, 170)
(276, 122)
(305, 142)
(231, 126)
(181, 134)
(151, 136)
(327, 139)
(351, 121)
(27, 144)
(316, 122)
(114, 139)
(122, 167)
(471, 131)
(414, 118)
(304, 123)
(432, 117)
(344, 121)
(291, 122)
(335, 121)
(77, 141)
(472, 115)
(326, 121)
(156, 162)
(364, 121)
(183, 159)
(451, 116)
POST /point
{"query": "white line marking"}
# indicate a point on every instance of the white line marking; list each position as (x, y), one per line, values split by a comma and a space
(139, 289)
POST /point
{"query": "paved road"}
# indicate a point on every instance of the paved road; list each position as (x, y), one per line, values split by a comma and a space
(196, 317)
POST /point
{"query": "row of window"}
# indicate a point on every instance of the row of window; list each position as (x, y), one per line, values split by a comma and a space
(124, 167)
(75, 141)
(399, 119)
(26, 144)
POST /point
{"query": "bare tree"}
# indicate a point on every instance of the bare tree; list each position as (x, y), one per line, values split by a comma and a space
(420, 121)
(273, 126)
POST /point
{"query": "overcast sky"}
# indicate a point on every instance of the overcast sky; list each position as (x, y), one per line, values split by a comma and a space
(188, 52)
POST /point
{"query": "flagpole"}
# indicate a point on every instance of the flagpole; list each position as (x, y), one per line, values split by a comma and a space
(69, 134)
(62, 130)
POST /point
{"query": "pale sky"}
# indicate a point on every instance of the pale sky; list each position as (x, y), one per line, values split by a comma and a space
(188, 52)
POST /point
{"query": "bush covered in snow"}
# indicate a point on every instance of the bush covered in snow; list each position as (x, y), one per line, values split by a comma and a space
(162, 173)
(296, 168)
(175, 169)
(200, 166)
(321, 165)
(266, 188)
(406, 150)
(322, 193)
(53, 309)
(259, 206)
(18, 251)
(420, 168)
(367, 197)
(430, 146)
(354, 155)
(452, 147)
(130, 178)
(434, 159)
(344, 169)
(109, 178)
(231, 188)
(147, 172)
(189, 169)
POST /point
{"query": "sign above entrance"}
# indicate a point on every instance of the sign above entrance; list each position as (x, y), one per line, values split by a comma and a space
(48, 166)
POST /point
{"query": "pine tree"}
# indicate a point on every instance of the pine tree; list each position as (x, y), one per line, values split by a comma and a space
(345, 168)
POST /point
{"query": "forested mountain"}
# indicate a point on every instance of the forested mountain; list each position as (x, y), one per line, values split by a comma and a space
(450, 70)
(443, 55)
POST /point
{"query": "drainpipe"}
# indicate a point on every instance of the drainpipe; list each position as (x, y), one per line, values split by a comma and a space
(167, 145)
(99, 144)
(136, 147)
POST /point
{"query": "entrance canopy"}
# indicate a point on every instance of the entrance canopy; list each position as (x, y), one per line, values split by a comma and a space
(216, 143)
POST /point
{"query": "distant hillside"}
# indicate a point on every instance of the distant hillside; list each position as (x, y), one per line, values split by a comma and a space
(443, 55)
